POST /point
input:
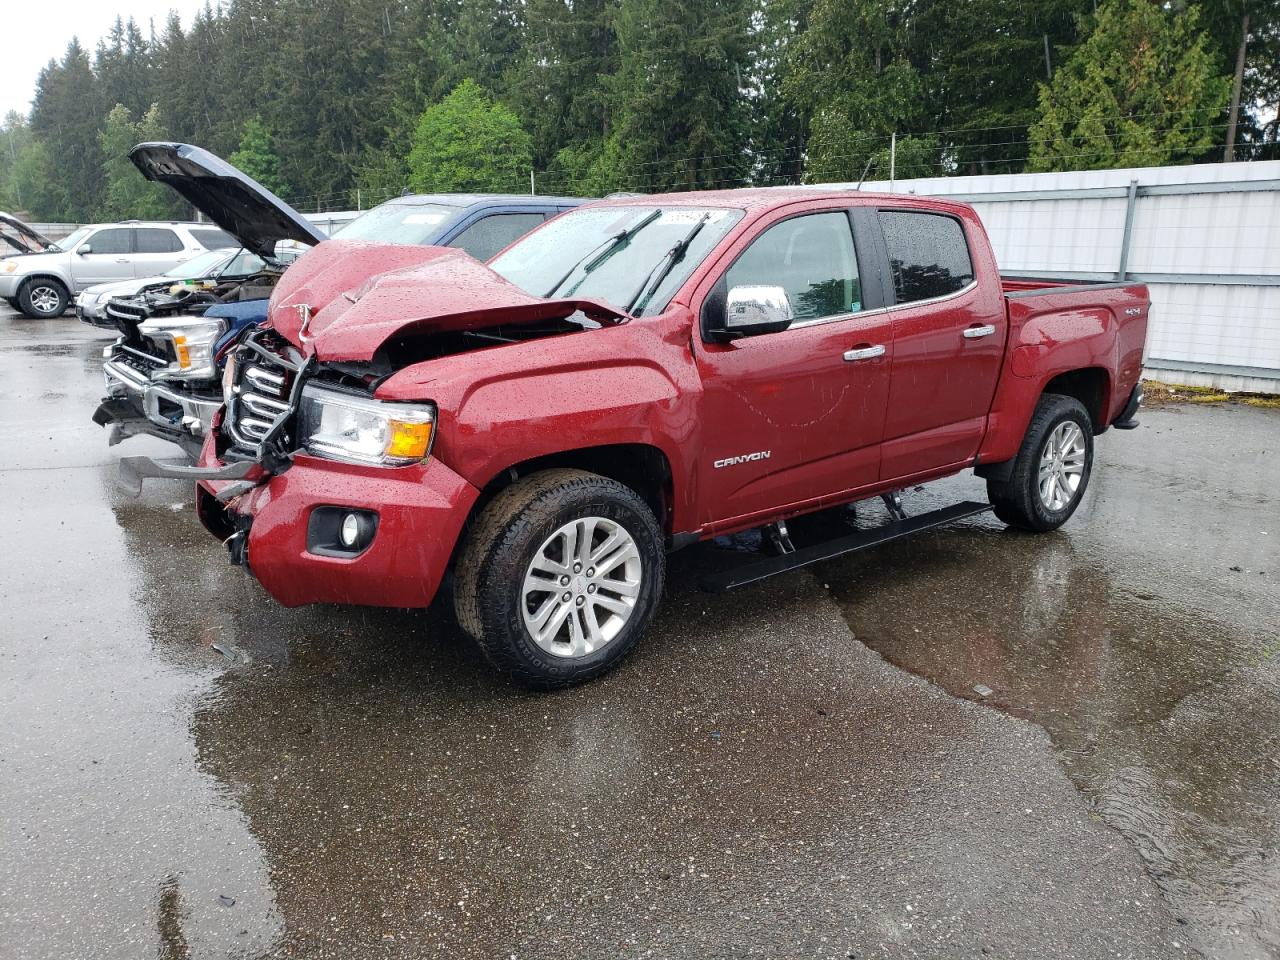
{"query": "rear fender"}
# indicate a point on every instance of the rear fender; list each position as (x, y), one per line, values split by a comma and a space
(1049, 336)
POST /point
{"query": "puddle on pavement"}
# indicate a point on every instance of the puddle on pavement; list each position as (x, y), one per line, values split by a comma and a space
(1165, 717)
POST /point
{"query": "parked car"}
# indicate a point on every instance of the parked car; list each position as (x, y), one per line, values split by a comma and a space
(207, 278)
(633, 377)
(42, 284)
(17, 237)
(163, 372)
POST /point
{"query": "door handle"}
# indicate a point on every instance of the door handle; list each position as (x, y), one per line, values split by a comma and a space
(974, 333)
(865, 353)
(123, 260)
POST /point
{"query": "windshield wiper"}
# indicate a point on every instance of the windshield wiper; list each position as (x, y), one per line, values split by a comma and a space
(640, 299)
(602, 252)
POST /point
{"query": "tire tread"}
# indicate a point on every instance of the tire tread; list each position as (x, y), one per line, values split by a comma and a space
(481, 576)
(1016, 500)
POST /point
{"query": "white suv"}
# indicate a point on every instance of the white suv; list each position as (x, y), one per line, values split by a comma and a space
(42, 285)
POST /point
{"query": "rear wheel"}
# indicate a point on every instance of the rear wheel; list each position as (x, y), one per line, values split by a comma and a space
(42, 298)
(1052, 468)
(560, 575)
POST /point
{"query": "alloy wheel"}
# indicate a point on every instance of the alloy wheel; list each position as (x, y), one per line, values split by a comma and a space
(1062, 462)
(581, 586)
(45, 299)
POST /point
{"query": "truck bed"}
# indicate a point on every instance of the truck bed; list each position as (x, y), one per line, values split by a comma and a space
(1015, 285)
(1058, 325)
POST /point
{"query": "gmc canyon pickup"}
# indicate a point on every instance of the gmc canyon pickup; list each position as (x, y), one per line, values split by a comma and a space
(634, 376)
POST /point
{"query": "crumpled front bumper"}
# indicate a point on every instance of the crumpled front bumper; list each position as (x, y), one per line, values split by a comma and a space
(172, 410)
(420, 511)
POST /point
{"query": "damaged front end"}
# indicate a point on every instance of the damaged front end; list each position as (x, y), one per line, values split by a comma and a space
(260, 384)
(162, 375)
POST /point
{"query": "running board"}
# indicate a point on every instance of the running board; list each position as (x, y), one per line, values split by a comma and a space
(756, 571)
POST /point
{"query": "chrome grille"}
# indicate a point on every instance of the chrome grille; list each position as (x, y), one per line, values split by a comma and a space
(122, 309)
(137, 359)
(261, 402)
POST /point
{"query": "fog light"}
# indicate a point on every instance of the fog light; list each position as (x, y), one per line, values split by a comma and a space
(341, 531)
(350, 530)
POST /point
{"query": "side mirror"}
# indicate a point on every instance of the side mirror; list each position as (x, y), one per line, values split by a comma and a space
(756, 309)
(84, 248)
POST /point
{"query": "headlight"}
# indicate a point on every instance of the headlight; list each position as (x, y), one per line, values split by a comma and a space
(229, 377)
(343, 426)
(87, 298)
(191, 341)
(8, 266)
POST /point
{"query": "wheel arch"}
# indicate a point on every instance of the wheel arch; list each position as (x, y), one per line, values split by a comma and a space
(1092, 386)
(26, 283)
(643, 467)
(33, 277)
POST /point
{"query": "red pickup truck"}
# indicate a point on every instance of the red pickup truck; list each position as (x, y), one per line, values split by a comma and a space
(634, 376)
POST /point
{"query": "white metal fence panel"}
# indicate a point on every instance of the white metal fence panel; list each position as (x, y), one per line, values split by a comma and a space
(1206, 238)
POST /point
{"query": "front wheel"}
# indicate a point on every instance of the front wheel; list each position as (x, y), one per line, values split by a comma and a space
(41, 299)
(1052, 468)
(560, 575)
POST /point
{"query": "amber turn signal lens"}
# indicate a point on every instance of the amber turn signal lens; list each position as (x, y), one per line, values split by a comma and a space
(184, 354)
(409, 440)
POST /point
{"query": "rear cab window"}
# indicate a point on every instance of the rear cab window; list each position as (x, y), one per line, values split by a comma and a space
(928, 254)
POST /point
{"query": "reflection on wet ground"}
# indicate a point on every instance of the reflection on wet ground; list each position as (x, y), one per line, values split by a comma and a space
(188, 770)
(1145, 640)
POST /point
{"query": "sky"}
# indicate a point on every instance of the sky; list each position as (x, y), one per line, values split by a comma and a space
(34, 32)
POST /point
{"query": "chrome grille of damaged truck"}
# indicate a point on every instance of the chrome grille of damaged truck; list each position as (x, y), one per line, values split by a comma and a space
(262, 405)
(262, 400)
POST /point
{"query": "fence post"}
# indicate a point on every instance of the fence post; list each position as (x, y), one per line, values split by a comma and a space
(1131, 204)
(893, 160)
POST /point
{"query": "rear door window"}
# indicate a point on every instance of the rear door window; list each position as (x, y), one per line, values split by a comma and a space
(811, 257)
(215, 239)
(484, 238)
(115, 240)
(156, 240)
(928, 255)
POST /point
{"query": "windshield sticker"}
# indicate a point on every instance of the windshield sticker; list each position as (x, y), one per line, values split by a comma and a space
(691, 216)
(428, 218)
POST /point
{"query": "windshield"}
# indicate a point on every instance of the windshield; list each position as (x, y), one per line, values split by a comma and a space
(72, 240)
(406, 223)
(198, 267)
(608, 253)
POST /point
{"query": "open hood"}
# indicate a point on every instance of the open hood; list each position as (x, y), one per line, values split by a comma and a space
(17, 237)
(234, 201)
(344, 300)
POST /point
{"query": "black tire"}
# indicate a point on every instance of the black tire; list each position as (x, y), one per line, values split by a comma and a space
(40, 291)
(501, 545)
(1018, 501)
(12, 302)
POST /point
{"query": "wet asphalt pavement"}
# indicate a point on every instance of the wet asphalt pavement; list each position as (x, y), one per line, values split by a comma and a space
(801, 770)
